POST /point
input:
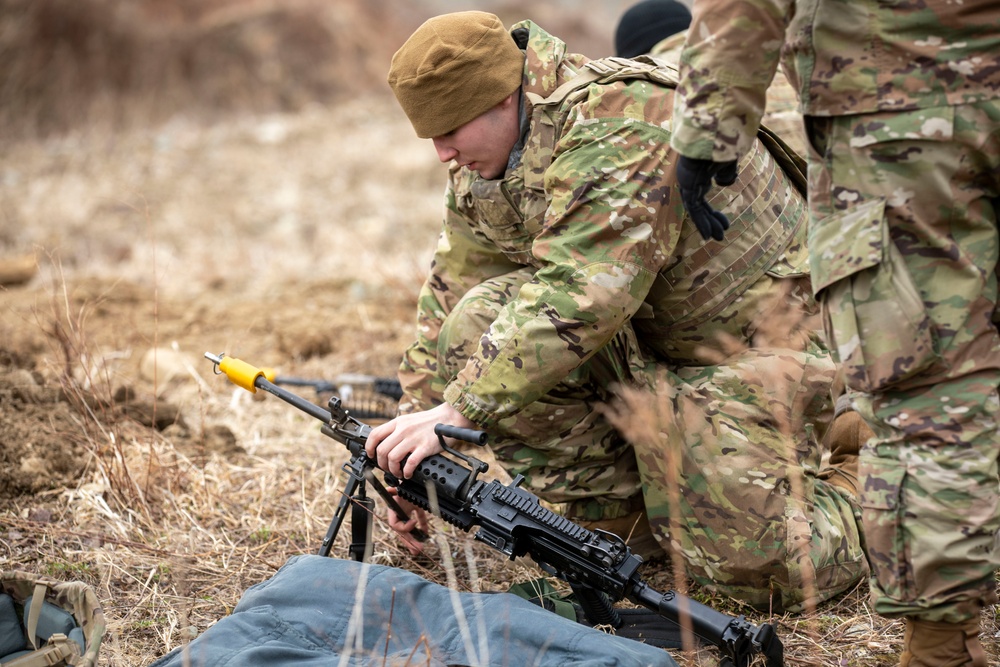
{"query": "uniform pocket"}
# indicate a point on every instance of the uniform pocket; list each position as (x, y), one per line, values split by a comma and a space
(874, 318)
(502, 222)
(882, 519)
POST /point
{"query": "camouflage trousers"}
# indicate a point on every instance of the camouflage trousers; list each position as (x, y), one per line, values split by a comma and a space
(904, 243)
(724, 458)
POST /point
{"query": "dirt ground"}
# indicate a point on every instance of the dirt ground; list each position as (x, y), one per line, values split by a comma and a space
(292, 230)
(265, 239)
(296, 241)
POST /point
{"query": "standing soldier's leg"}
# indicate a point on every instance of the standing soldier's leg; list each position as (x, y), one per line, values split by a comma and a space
(905, 246)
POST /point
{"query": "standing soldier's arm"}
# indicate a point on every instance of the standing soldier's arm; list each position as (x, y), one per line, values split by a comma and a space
(732, 51)
(730, 57)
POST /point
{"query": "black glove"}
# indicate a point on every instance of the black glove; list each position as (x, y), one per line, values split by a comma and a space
(695, 177)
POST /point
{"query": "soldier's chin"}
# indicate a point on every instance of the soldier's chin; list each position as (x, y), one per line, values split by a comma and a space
(486, 172)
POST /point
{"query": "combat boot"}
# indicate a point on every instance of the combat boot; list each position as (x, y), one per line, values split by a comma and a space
(635, 530)
(936, 644)
(844, 440)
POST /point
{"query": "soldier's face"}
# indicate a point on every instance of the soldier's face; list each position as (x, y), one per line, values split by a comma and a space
(485, 142)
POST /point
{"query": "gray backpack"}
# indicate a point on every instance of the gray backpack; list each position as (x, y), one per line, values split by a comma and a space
(44, 621)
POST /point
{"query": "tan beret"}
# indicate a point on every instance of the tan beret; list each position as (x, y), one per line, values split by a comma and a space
(454, 68)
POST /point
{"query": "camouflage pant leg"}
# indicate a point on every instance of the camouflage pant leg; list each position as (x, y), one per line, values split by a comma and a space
(566, 450)
(733, 455)
(905, 247)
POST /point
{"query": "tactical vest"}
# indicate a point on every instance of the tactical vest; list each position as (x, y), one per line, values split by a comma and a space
(46, 622)
(702, 278)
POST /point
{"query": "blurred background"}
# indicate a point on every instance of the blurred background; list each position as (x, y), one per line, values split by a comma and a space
(121, 63)
(179, 176)
(188, 135)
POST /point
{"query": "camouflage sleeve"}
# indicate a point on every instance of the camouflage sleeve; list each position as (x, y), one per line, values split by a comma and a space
(731, 54)
(610, 226)
(462, 260)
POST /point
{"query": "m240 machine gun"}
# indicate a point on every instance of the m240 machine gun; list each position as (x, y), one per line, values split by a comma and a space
(599, 567)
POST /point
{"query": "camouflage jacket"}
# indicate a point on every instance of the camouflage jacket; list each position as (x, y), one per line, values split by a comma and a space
(781, 110)
(594, 209)
(843, 56)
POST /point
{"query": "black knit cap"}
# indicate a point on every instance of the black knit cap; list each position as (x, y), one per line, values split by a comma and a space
(646, 23)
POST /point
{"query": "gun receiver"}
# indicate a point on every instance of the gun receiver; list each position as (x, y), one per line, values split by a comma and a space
(599, 566)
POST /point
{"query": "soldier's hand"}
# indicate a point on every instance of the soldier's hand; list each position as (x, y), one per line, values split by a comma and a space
(399, 445)
(695, 176)
(417, 520)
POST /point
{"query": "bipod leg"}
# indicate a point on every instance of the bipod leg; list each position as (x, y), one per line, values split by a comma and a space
(353, 482)
(362, 508)
(416, 533)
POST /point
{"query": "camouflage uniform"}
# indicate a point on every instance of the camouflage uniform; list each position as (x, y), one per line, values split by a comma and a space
(781, 110)
(576, 272)
(902, 107)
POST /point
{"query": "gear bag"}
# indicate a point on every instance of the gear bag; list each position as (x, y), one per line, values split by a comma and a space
(44, 621)
(318, 611)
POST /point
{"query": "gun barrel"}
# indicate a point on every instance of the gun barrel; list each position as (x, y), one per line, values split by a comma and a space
(733, 634)
(251, 378)
(302, 404)
(320, 386)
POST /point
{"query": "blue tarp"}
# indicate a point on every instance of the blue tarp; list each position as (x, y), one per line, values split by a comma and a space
(326, 611)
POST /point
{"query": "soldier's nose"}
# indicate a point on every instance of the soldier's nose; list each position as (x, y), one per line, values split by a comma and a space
(445, 152)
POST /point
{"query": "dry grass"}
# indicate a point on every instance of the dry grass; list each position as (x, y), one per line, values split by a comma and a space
(167, 565)
(170, 532)
(286, 233)
(170, 541)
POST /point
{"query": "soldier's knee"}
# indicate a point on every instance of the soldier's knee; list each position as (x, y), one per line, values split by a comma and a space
(471, 318)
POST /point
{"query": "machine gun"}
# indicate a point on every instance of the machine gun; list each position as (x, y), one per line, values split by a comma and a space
(599, 567)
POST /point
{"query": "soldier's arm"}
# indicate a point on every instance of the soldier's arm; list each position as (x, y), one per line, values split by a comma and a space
(462, 260)
(611, 224)
(728, 61)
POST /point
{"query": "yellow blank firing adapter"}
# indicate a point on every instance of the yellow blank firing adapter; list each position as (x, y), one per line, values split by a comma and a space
(239, 372)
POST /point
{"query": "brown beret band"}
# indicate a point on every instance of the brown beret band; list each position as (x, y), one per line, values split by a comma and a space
(454, 68)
